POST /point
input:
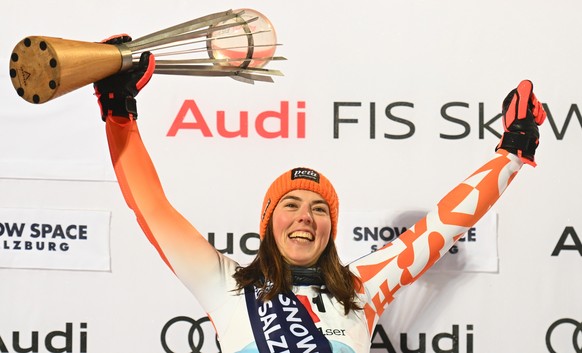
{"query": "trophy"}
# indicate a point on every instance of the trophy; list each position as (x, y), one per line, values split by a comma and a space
(234, 43)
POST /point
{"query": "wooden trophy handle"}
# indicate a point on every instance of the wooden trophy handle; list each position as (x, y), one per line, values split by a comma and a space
(43, 68)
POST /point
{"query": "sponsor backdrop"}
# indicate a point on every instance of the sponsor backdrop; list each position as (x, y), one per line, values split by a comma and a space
(395, 101)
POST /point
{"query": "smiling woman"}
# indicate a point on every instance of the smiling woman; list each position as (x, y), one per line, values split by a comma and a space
(296, 295)
(302, 226)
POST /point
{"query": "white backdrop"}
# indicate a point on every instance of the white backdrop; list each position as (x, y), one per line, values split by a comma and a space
(441, 67)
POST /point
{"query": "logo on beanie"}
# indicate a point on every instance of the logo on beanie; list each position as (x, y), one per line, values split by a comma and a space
(304, 173)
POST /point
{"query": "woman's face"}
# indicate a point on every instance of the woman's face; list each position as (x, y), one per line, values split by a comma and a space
(301, 227)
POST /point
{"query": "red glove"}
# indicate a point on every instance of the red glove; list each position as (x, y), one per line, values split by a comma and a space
(522, 113)
(116, 94)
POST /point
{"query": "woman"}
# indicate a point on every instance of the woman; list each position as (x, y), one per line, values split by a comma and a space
(296, 296)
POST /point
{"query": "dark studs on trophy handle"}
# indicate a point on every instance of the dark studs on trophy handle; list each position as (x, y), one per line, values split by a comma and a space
(52, 84)
(53, 64)
(14, 58)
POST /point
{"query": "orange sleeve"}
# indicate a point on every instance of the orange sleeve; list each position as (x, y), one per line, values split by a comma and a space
(404, 260)
(179, 244)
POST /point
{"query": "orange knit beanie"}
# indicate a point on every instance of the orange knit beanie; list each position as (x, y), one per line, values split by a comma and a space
(299, 179)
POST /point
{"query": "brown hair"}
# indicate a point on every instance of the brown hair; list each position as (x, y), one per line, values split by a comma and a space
(271, 274)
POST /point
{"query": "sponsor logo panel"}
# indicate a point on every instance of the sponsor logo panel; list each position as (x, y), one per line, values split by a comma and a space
(54, 239)
(365, 232)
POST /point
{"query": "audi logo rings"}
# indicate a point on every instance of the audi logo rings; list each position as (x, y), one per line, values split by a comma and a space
(576, 334)
(195, 335)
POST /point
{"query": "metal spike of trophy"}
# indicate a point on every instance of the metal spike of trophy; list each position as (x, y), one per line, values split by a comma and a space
(234, 43)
